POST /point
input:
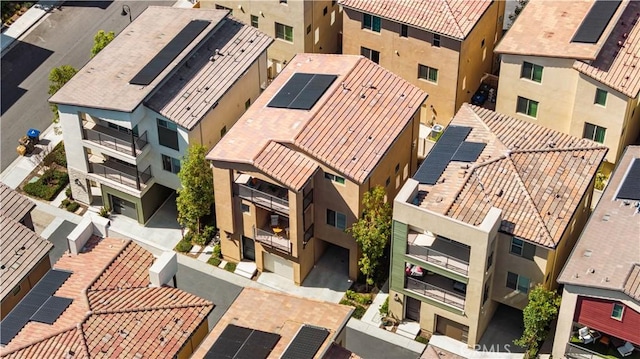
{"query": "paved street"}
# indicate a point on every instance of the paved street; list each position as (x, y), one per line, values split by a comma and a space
(64, 37)
(370, 347)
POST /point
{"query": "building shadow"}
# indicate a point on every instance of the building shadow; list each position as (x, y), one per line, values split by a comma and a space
(18, 64)
(99, 4)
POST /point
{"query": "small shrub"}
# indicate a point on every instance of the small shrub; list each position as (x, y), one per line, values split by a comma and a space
(73, 206)
(384, 308)
(68, 193)
(351, 295)
(601, 181)
(422, 340)
(199, 239)
(345, 302)
(184, 246)
(358, 312)
(57, 156)
(364, 299)
(230, 266)
(214, 261)
(104, 212)
(47, 186)
(217, 251)
(65, 203)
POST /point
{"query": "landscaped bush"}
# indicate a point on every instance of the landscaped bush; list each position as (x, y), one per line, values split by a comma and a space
(601, 181)
(68, 193)
(57, 156)
(422, 340)
(214, 261)
(230, 266)
(73, 206)
(358, 312)
(384, 308)
(184, 246)
(48, 186)
(361, 298)
(217, 251)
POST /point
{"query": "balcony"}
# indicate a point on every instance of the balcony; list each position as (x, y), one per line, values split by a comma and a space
(277, 238)
(441, 252)
(601, 345)
(114, 139)
(121, 173)
(437, 288)
(263, 193)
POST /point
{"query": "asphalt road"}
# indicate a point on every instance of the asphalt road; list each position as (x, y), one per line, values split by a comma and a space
(370, 347)
(64, 37)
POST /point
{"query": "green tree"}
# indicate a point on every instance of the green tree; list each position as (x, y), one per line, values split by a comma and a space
(541, 310)
(520, 4)
(195, 198)
(372, 231)
(57, 78)
(101, 40)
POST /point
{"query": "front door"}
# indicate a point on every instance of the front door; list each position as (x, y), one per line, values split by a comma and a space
(124, 207)
(413, 309)
(248, 248)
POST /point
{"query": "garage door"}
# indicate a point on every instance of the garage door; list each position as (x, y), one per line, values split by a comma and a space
(452, 329)
(278, 265)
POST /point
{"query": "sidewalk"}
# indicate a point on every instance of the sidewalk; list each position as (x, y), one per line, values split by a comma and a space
(24, 24)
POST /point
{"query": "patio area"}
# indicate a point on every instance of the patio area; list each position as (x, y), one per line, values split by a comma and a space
(603, 346)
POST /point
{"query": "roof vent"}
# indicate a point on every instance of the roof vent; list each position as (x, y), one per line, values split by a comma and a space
(606, 217)
(499, 193)
(591, 270)
(587, 253)
(3, 267)
(626, 203)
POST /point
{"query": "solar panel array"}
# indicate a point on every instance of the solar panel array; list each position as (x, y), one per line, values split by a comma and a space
(35, 304)
(630, 188)
(243, 343)
(302, 91)
(441, 154)
(169, 52)
(596, 21)
(468, 151)
(306, 343)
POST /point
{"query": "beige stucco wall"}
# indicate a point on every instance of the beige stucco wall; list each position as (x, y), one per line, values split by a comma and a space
(295, 13)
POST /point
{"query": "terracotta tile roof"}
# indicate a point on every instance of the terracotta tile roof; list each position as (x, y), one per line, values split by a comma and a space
(104, 81)
(17, 262)
(609, 242)
(618, 62)
(286, 165)
(537, 176)
(453, 18)
(195, 88)
(13, 204)
(279, 313)
(113, 313)
(364, 101)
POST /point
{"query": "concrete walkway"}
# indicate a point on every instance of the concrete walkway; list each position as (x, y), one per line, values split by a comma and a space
(389, 338)
(24, 24)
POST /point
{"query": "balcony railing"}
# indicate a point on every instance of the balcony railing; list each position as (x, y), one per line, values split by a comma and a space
(443, 260)
(125, 175)
(263, 199)
(278, 241)
(436, 293)
(577, 352)
(115, 140)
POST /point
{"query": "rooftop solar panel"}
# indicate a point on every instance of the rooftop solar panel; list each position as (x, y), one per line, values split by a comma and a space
(306, 343)
(596, 21)
(237, 342)
(302, 91)
(169, 52)
(51, 310)
(436, 162)
(630, 188)
(468, 151)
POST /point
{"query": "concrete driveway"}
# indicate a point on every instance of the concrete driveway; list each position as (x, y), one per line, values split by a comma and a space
(505, 326)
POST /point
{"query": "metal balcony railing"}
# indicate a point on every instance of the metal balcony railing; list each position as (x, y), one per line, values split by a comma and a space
(278, 241)
(436, 293)
(577, 352)
(441, 259)
(262, 198)
(115, 140)
(126, 175)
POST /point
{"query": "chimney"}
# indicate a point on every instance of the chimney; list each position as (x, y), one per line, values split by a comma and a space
(164, 269)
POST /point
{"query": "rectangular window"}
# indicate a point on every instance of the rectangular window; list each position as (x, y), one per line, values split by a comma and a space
(245, 208)
(334, 178)
(170, 164)
(254, 21)
(527, 107)
(517, 282)
(601, 97)
(489, 261)
(397, 168)
(220, 7)
(336, 219)
(404, 30)
(436, 40)
(284, 32)
(531, 72)
(618, 310)
(593, 132)
(482, 43)
(15, 290)
(388, 181)
(371, 22)
(372, 55)
(427, 73)
(522, 248)
(485, 293)
(168, 134)
(247, 104)
(325, 11)
(223, 131)
(308, 29)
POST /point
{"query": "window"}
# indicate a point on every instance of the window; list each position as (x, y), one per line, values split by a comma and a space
(522, 248)
(336, 219)
(325, 11)
(531, 71)
(436, 40)
(16, 290)
(427, 73)
(482, 43)
(223, 131)
(517, 282)
(123, 129)
(618, 310)
(220, 7)
(245, 208)
(404, 30)
(254, 21)
(527, 107)
(388, 181)
(485, 293)
(601, 97)
(284, 32)
(372, 55)
(334, 178)
(371, 22)
(489, 261)
(593, 132)
(397, 168)
(168, 134)
(170, 164)
(308, 29)
(247, 104)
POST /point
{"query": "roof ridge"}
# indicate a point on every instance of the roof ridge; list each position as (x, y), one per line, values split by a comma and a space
(159, 307)
(563, 149)
(450, 12)
(106, 266)
(46, 337)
